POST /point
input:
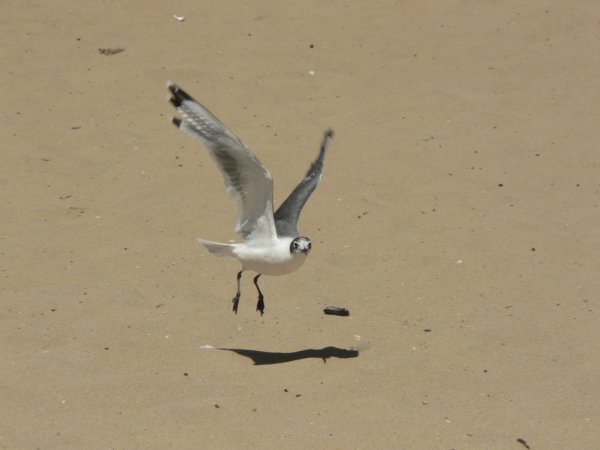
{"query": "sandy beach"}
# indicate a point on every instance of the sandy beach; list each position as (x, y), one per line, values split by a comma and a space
(457, 220)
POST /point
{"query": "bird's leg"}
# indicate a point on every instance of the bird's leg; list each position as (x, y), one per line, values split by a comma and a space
(236, 299)
(260, 306)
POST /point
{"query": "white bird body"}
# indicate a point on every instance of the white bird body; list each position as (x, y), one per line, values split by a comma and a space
(270, 257)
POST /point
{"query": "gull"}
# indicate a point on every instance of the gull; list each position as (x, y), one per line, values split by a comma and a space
(272, 244)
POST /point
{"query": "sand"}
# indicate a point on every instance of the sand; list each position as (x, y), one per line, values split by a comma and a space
(457, 220)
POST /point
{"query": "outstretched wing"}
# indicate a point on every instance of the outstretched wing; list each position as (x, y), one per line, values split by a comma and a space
(246, 179)
(288, 214)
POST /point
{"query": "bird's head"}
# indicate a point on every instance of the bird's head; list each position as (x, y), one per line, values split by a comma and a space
(300, 245)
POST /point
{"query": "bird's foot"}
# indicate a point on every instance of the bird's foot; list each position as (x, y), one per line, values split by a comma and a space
(236, 302)
(260, 306)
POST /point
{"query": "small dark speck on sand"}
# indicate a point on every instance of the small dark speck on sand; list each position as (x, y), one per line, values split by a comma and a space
(110, 51)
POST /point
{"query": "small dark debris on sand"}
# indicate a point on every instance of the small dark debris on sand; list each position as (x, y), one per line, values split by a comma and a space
(336, 311)
(110, 51)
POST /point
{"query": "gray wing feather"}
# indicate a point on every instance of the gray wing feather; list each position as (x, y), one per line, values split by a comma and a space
(288, 214)
(246, 179)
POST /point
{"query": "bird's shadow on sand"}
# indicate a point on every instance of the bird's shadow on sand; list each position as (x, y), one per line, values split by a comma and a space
(261, 358)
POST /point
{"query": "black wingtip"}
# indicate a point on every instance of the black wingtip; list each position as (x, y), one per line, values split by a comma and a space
(327, 137)
(178, 95)
(172, 86)
(177, 122)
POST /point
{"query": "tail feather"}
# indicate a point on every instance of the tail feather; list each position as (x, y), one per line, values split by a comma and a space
(216, 248)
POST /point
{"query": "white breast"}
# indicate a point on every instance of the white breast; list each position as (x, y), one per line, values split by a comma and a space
(272, 259)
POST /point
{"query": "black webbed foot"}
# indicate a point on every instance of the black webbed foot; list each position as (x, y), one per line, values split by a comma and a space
(260, 306)
(236, 299)
(236, 302)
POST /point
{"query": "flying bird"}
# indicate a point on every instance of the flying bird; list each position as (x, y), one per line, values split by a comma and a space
(272, 244)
